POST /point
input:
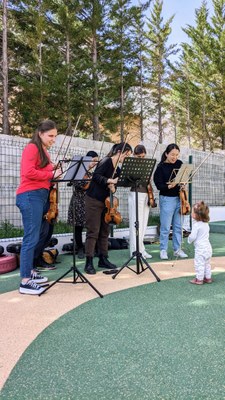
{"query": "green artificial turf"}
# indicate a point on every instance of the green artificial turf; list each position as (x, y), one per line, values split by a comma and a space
(10, 281)
(163, 341)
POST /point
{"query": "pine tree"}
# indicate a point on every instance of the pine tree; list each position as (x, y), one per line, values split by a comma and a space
(119, 66)
(217, 80)
(200, 69)
(158, 32)
(5, 113)
(141, 65)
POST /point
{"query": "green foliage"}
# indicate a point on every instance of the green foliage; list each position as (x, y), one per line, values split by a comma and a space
(7, 230)
(198, 84)
(102, 58)
(159, 52)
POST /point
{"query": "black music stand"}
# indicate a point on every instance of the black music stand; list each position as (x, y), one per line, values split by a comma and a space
(77, 169)
(136, 172)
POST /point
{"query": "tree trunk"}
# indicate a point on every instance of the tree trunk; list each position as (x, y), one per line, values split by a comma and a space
(5, 122)
(95, 92)
(188, 119)
(141, 96)
(160, 112)
(69, 122)
(122, 110)
(223, 141)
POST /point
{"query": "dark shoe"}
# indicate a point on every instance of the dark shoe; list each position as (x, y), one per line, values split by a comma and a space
(80, 253)
(45, 266)
(89, 267)
(105, 263)
(196, 281)
(207, 280)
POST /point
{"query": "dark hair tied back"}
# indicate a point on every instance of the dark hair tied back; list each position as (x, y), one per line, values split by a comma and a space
(139, 149)
(92, 154)
(122, 147)
(169, 148)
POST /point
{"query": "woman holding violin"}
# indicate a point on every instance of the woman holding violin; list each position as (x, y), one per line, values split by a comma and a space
(169, 201)
(76, 211)
(32, 197)
(143, 210)
(104, 179)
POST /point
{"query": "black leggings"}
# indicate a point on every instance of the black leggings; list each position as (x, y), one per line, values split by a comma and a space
(78, 236)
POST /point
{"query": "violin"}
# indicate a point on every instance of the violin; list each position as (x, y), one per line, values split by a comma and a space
(53, 211)
(151, 199)
(87, 184)
(185, 206)
(112, 215)
(88, 177)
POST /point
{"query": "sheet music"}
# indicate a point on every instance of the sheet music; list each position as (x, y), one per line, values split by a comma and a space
(183, 174)
(78, 167)
(136, 169)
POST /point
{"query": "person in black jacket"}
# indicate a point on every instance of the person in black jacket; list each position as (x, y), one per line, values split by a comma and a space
(76, 211)
(104, 179)
(169, 201)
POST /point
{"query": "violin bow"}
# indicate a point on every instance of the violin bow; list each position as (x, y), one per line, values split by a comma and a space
(71, 137)
(101, 149)
(196, 170)
(61, 146)
(64, 156)
(118, 160)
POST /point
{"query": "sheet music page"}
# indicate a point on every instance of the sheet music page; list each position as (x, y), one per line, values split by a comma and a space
(183, 174)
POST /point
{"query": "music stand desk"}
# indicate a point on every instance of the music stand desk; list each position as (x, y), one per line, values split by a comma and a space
(135, 172)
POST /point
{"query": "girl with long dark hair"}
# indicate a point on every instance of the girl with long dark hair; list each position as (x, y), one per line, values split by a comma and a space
(169, 201)
(32, 195)
(104, 179)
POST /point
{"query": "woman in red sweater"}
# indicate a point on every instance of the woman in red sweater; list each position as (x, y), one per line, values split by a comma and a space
(32, 197)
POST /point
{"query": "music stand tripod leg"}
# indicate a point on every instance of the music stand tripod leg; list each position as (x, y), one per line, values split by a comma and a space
(149, 267)
(79, 275)
(123, 266)
(76, 273)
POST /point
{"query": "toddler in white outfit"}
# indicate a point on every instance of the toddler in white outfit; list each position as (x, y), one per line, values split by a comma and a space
(200, 238)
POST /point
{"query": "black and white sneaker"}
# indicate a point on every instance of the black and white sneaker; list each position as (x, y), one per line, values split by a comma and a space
(30, 287)
(35, 277)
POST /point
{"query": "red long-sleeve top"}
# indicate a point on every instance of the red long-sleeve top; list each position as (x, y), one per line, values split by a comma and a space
(32, 177)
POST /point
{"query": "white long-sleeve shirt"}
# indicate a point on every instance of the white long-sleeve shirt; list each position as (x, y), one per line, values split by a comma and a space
(200, 235)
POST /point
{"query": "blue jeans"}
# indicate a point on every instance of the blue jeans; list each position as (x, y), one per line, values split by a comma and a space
(170, 215)
(32, 206)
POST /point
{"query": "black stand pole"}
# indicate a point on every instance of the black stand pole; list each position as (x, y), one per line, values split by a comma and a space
(78, 277)
(135, 172)
(140, 260)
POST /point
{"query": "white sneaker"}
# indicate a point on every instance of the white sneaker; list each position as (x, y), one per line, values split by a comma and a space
(147, 255)
(35, 277)
(30, 287)
(163, 255)
(180, 253)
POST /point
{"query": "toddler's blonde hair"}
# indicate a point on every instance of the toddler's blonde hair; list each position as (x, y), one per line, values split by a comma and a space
(201, 211)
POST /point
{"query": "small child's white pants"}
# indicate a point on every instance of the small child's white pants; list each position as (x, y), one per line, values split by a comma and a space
(202, 264)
